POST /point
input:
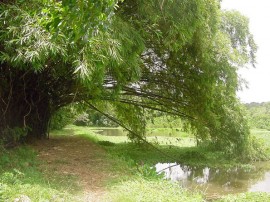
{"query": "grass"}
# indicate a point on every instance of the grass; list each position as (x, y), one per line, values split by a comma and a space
(169, 132)
(20, 177)
(20, 174)
(167, 149)
(143, 157)
(263, 135)
(150, 190)
(182, 150)
(244, 197)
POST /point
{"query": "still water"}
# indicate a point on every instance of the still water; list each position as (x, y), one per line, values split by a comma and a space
(216, 182)
(212, 182)
(111, 131)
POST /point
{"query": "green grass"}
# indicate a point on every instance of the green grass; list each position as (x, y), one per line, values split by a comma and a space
(167, 149)
(168, 132)
(143, 186)
(139, 182)
(244, 197)
(150, 190)
(20, 176)
(136, 181)
(181, 149)
(261, 137)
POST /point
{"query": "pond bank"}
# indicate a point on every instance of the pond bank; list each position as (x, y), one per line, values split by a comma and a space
(233, 177)
(78, 165)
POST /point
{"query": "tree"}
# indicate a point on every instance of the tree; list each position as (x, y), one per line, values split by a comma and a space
(180, 57)
(258, 115)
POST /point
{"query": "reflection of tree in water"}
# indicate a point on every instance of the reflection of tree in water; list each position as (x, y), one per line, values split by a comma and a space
(213, 180)
(236, 178)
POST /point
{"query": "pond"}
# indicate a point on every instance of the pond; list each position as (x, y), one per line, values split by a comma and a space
(217, 182)
(150, 131)
(111, 131)
(212, 182)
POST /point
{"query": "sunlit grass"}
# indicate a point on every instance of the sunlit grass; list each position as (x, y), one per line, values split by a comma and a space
(20, 177)
(136, 181)
(262, 134)
(165, 149)
(185, 140)
(149, 191)
(244, 197)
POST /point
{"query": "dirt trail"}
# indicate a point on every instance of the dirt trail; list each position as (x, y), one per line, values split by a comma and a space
(71, 155)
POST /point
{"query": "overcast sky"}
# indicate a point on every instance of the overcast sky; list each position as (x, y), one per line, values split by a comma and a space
(258, 12)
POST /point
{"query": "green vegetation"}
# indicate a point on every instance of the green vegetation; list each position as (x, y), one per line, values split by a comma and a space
(155, 68)
(20, 174)
(181, 149)
(151, 190)
(259, 115)
(144, 157)
(62, 117)
(250, 197)
(21, 177)
(127, 60)
(262, 137)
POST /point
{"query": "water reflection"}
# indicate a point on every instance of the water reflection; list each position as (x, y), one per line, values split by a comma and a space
(111, 131)
(216, 182)
(263, 185)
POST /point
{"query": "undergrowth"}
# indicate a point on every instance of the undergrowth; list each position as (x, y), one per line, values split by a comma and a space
(20, 177)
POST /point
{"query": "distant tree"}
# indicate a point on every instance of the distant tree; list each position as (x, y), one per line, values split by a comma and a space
(93, 118)
(180, 57)
(62, 117)
(259, 115)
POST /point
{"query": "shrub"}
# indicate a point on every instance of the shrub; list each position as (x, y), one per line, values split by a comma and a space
(62, 117)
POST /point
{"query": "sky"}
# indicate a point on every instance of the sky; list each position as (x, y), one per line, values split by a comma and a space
(258, 12)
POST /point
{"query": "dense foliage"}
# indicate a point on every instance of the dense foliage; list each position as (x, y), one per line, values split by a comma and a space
(259, 115)
(180, 57)
(62, 117)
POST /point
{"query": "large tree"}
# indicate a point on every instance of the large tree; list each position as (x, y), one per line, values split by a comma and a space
(180, 57)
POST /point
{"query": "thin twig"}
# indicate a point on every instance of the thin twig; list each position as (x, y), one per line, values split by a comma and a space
(10, 93)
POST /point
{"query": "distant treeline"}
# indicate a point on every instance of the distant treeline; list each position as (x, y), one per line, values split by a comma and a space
(259, 115)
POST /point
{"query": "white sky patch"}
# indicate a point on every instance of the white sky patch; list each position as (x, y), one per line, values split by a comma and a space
(258, 12)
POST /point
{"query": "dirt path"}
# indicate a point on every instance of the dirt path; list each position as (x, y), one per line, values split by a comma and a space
(76, 156)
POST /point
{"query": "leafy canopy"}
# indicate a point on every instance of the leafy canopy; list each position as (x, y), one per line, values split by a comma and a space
(125, 58)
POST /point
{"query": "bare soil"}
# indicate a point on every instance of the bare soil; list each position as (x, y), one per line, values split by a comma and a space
(78, 157)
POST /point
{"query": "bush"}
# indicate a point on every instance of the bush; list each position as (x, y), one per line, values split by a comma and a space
(82, 120)
(11, 136)
(93, 118)
(62, 117)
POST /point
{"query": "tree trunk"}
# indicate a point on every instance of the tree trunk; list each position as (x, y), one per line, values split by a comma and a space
(29, 98)
(25, 105)
(31, 118)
